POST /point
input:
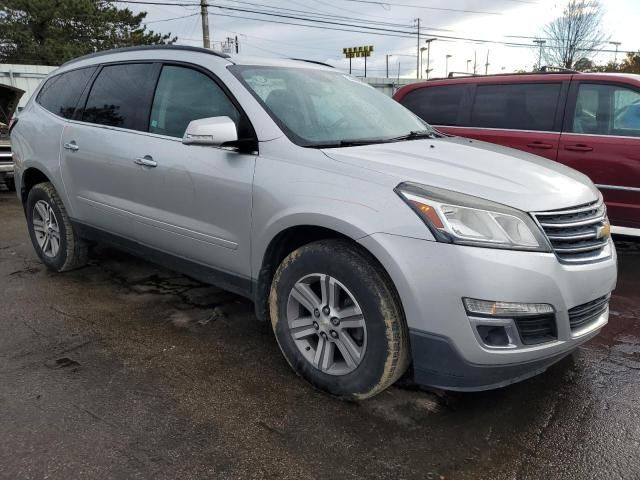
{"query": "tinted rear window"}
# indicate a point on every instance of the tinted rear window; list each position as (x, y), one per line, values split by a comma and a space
(120, 96)
(517, 106)
(60, 94)
(437, 105)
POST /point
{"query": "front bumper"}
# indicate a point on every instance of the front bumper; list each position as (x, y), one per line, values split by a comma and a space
(431, 279)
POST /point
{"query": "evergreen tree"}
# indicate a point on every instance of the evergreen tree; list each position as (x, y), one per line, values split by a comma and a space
(50, 32)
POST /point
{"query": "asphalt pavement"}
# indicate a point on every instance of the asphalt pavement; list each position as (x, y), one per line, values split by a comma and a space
(125, 370)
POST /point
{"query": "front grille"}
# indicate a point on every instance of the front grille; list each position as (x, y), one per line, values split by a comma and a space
(574, 233)
(537, 329)
(5, 153)
(586, 313)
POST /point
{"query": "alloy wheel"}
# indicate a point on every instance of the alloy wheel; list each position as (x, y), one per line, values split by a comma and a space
(46, 228)
(327, 324)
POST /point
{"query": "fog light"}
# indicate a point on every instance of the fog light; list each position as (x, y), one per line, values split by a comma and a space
(493, 336)
(505, 309)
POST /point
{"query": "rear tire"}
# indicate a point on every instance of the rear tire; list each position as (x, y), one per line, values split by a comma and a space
(338, 320)
(51, 232)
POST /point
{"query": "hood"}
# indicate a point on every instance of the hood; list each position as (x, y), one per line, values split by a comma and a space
(9, 98)
(500, 174)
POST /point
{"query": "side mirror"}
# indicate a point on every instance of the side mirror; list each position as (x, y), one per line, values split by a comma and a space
(212, 131)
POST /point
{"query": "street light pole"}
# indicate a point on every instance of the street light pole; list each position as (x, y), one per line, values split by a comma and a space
(418, 59)
(387, 56)
(446, 68)
(468, 62)
(615, 58)
(422, 50)
(428, 42)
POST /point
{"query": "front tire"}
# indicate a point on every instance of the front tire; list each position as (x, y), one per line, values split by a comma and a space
(51, 232)
(337, 319)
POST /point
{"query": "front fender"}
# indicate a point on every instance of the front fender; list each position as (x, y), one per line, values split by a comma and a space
(320, 192)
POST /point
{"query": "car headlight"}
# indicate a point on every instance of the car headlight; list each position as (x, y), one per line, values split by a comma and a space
(463, 219)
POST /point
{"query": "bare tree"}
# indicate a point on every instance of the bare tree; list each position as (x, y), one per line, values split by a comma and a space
(576, 34)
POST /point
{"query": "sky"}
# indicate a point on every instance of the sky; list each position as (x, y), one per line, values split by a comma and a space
(514, 21)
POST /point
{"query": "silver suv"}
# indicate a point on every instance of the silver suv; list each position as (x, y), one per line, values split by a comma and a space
(370, 240)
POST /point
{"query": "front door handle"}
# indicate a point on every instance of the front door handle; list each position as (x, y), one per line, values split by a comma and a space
(580, 147)
(146, 161)
(72, 145)
(542, 145)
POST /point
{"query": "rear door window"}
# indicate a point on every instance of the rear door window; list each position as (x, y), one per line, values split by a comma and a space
(437, 105)
(121, 96)
(518, 106)
(60, 94)
(184, 94)
(607, 110)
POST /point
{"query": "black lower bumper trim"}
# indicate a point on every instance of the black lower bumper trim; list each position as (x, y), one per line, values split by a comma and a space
(437, 363)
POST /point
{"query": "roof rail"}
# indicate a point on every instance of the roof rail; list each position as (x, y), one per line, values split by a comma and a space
(148, 47)
(462, 74)
(476, 75)
(550, 69)
(312, 61)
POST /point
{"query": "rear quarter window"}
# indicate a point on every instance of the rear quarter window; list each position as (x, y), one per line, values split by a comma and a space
(437, 105)
(517, 106)
(60, 93)
(121, 96)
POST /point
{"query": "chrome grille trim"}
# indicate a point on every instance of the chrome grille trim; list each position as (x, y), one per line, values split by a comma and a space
(573, 232)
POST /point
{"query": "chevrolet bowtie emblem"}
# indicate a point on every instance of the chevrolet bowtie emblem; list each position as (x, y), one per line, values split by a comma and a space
(604, 231)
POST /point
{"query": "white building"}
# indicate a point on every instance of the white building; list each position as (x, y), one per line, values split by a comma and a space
(24, 77)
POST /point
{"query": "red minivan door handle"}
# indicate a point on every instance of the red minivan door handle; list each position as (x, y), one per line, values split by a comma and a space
(538, 144)
(580, 147)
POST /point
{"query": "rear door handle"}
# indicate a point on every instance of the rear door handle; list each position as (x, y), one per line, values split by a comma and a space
(537, 144)
(72, 145)
(578, 148)
(146, 161)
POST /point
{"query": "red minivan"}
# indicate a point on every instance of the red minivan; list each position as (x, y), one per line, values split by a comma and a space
(588, 121)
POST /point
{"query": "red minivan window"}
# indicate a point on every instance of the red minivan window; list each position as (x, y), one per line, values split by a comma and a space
(590, 122)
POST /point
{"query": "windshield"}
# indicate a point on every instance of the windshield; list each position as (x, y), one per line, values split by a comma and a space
(319, 108)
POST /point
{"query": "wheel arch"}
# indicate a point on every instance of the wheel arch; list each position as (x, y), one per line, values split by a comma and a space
(292, 238)
(30, 177)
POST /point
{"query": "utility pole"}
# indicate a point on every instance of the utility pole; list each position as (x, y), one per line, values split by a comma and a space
(475, 62)
(418, 52)
(615, 58)
(204, 13)
(486, 65)
(387, 56)
(541, 45)
(428, 42)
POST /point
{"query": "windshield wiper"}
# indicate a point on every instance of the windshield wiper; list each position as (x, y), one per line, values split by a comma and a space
(370, 141)
(349, 143)
(416, 134)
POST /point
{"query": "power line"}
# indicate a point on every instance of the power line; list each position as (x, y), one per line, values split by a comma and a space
(384, 4)
(424, 7)
(169, 19)
(344, 27)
